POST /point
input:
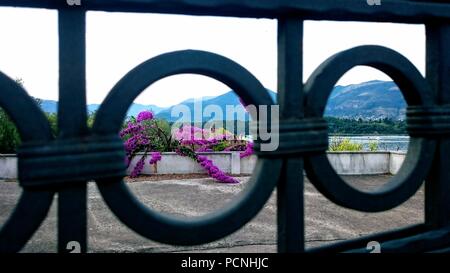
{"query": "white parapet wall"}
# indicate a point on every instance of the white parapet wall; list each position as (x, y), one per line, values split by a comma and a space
(172, 163)
(355, 163)
(345, 163)
(8, 166)
(396, 161)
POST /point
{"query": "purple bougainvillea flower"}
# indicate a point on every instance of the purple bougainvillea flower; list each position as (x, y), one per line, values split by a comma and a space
(144, 115)
(189, 141)
(215, 172)
(155, 157)
(248, 150)
(138, 168)
(131, 128)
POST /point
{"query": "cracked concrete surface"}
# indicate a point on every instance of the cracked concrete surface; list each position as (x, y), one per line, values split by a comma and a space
(325, 222)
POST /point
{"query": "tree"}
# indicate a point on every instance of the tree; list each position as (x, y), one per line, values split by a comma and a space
(9, 135)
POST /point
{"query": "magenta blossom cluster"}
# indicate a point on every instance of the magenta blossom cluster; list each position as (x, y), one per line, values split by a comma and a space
(201, 145)
(192, 133)
(155, 157)
(131, 129)
(214, 171)
(187, 132)
(143, 135)
(248, 150)
(135, 141)
(144, 115)
(201, 140)
(205, 148)
(138, 168)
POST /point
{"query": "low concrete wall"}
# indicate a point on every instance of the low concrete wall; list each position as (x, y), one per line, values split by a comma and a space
(175, 164)
(8, 166)
(248, 164)
(396, 161)
(346, 163)
(354, 163)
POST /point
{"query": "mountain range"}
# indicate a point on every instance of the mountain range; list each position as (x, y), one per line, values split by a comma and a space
(51, 106)
(369, 100)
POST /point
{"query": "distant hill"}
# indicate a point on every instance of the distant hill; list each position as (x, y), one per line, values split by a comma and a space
(51, 106)
(372, 100)
(228, 99)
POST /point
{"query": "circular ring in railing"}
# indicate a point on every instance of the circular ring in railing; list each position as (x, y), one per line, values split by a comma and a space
(33, 127)
(421, 150)
(49, 166)
(164, 228)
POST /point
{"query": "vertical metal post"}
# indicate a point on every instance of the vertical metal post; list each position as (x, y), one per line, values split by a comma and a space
(72, 203)
(290, 98)
(437, 191)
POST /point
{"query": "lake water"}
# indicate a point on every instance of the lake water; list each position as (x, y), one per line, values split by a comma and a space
(385, 143)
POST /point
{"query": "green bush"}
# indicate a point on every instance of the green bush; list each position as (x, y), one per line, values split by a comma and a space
(53, 121)
(159, 132)
(373, 146)
(344, 145)
(9, 136)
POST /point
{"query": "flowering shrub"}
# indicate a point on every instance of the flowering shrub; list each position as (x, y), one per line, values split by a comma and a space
(213, 171)
(344, 144)
(156, 156)
(248, 150)
(206, 164)
(144, 115)
(149, 136)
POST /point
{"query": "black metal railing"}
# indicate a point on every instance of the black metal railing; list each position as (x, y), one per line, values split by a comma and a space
(64, 165)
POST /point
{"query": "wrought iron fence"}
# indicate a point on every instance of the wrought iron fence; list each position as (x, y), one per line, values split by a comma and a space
(63, 165)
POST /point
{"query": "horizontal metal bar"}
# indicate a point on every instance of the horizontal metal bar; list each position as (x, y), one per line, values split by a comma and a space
(361, 243)
(400, 11)
(443, 250)
(418, 243)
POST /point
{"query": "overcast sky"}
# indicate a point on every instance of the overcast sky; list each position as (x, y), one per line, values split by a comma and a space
(117, 42)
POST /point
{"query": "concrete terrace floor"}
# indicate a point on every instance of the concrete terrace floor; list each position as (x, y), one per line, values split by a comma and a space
(325, 222)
